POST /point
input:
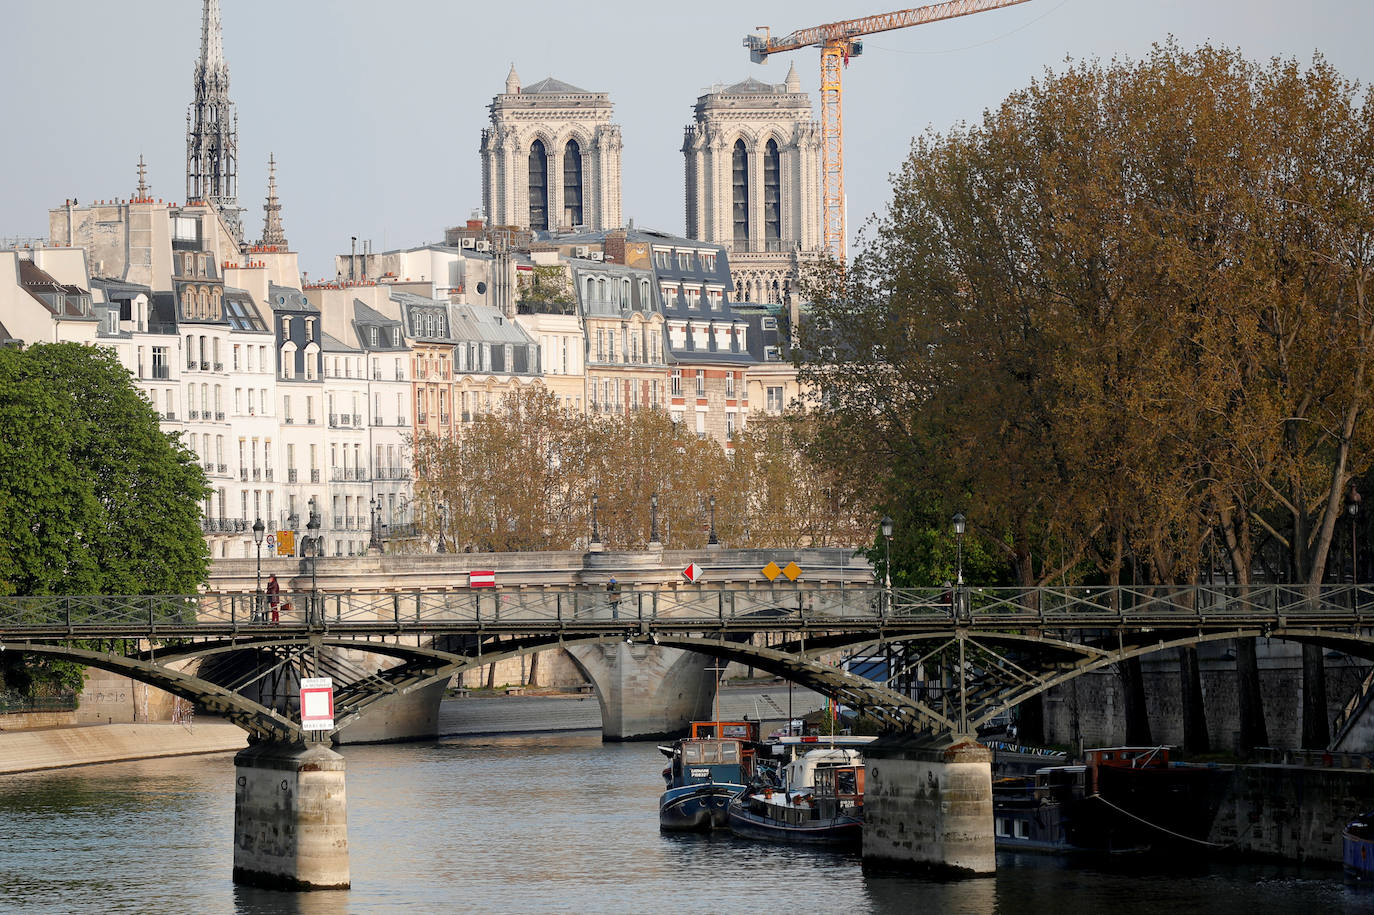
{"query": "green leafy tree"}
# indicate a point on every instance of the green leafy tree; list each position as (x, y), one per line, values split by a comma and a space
(95, 498)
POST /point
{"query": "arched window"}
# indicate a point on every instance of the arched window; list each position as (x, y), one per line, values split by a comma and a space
(590, 295)
(572, 184)
(772, 196)
(539, 187)
(740, 179)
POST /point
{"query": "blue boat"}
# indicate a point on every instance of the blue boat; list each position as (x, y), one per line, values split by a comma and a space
(705, 771)
(1357, 847)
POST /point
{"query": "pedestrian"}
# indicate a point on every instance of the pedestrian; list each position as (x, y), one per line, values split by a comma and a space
(273, 595)
(276, 614)
(613, 593)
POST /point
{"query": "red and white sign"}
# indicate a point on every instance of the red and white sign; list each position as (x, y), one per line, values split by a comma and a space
(482, 579)
(692, 572)
(317, 704)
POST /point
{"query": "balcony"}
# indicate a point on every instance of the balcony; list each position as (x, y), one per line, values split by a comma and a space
(170, 415)
(466, 416)
(400, 375)
(288, 420)
(257, 474)
(443, 419)
(333, 420)
(219, 416)
(205, 366)
(291, 475)
(422, 417)
(315, 475)
(219, 366)
(221, 468)
(162, 371)
(267, 474)
(190, 364)
(357, 420)
(194, 414)
(209, 466)
(376, 374)
(401, 421)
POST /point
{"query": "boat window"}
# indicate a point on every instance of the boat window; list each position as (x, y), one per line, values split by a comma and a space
(1002, 830)
(1022, 829)
(691, 753)
(729, 752)
(845, 782)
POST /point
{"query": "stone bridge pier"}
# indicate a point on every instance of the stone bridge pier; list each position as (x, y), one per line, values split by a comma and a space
(290, 817)
(646, 691)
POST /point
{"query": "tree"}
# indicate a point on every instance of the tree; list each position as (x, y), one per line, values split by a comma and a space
(95, 498)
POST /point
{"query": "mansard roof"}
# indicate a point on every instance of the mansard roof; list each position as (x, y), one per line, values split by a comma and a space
(485, 324)
(331, 344)
(751, 86)
(61, 299)
(284, 298)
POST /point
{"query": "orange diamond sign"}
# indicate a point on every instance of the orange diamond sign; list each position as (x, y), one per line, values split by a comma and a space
(791, 570)
(771, 571)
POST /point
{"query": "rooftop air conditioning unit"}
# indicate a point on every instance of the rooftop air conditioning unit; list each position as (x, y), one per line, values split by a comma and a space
(597, 255)
(580, 251)
(467, 243)
(483, 246)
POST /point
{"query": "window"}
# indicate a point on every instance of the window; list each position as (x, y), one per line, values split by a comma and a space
(236, 357)
(729, 384)
(663, 258)
(676, 388)
(729, 427)
(395, 336)
(572, 184)
(740, 190)
(701, 382)
(310, 328)
(539, 187)
(684, 260)
(774, 400)
(701, 425)
(374, 335)
(772, 197)
(708, 261)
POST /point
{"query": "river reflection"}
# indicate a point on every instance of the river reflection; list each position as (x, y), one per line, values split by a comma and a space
(524, 823)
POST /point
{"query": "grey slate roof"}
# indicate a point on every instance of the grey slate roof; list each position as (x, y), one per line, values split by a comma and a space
(331, 344)
(551, 86)
(284, 298)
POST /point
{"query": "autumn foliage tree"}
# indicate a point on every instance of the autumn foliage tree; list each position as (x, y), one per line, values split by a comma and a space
(1119, 322)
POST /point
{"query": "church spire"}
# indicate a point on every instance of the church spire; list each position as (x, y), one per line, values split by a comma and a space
(793, 81)
(272, 233)
(212, 127)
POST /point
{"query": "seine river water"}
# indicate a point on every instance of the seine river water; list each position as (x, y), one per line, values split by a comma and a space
(527, 822)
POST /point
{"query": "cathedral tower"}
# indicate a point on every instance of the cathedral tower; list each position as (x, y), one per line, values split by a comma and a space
(212, 134)
(753, 182)
(551, 158)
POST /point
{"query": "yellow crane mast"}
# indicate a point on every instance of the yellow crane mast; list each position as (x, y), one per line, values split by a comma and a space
(838, 42)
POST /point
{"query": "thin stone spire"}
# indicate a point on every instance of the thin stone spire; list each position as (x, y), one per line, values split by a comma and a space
(512, 81)
(272, 233)
(793, 81)
(212, 127)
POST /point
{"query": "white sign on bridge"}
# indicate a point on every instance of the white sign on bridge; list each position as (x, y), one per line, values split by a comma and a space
(317, 704)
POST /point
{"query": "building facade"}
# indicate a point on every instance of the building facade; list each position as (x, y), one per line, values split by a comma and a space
(753, 183)
(551, 158)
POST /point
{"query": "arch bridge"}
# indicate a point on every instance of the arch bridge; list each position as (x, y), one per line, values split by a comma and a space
(939, 661)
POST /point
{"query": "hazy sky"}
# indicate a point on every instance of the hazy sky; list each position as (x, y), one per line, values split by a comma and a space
(375, 109)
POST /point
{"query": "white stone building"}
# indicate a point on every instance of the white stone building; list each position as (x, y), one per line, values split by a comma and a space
(551, 158)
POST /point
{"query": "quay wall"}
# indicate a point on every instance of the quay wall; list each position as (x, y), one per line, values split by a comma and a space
(1089, 710)
(55, 748)
(1291, 812)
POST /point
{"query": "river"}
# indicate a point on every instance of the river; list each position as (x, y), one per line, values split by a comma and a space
(527, 822)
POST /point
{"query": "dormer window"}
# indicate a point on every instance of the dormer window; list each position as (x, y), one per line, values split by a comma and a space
(310, 328)
(395, 336)
(373, 335)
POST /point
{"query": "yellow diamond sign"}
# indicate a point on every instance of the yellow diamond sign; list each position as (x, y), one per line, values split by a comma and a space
(771, 571)
(791, 570)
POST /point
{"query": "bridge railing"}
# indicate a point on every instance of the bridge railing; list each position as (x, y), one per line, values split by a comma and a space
(799, 603)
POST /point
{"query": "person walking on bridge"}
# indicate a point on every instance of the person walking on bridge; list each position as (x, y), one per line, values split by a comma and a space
(613, 595)
(273, 596)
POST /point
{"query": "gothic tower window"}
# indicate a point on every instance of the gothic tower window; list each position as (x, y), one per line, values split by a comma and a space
(572, 184)
(740, 180)
(539, 187)
(772, 196)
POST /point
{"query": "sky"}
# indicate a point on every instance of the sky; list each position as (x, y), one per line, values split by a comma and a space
(374, 110)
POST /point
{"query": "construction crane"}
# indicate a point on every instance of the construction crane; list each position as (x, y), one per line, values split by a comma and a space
(838, 42)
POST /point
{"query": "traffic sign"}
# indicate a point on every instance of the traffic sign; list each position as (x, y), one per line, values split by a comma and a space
(771, 571)
(286, 543)
(317, 704)
(486, 579)
(792, 571)
(692, 572)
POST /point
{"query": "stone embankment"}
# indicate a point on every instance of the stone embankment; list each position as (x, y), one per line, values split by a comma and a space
(54, 748)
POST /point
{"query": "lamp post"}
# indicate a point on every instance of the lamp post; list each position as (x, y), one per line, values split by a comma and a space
(887, 552)
(712, 539)
(959, 553)
(1352, 506)
(442, 548)
(376, 541)
(258, 529)
(596, 531)
(653, 519)
(312, 539)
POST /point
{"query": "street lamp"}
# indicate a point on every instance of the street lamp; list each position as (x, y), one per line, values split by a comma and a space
(1352, 505)
(596, 531)
(887, 552)
(712, 539)
(959, 538)
(258, 529)
(376, 541)
(313, 541)
(442, 548)
(653, 518)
